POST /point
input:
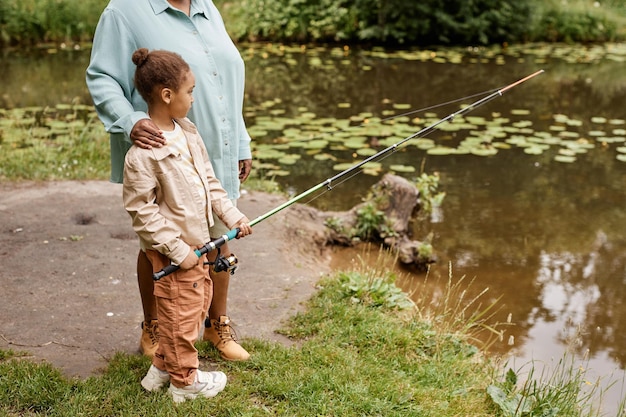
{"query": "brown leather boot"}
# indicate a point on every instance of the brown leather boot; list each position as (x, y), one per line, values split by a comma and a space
(149, 341)
(223, 338)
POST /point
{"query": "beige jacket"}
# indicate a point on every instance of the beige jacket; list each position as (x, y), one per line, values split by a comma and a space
(166, 207)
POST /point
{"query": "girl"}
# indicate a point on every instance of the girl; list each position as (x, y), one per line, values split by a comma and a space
(171, 194)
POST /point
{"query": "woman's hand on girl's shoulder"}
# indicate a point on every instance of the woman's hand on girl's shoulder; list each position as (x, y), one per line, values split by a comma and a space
(145, 134)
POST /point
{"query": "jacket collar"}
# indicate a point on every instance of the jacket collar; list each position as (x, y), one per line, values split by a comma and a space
(162, 153)
(187, 125)
(165, 151)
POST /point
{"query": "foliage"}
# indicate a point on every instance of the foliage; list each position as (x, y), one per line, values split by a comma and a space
(374, 290)
(27, 22)
(370, 223)
(65, 142)
(335, 224)
(387, 21)
(579, 22)
(561, 391)
(428, 185)
(429, 22)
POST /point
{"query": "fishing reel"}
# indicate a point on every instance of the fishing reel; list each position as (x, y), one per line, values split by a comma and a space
(224, 263)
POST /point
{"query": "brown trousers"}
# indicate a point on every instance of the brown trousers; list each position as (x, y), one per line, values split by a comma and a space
(182, 299)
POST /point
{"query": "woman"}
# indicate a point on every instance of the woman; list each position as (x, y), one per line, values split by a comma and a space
(195, 30)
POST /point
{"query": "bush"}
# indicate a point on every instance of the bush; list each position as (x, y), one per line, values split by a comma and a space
(426, 22)
(575, 24)
(386, 21)
(24, 22)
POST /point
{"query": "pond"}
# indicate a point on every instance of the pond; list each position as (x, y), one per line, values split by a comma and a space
(534, 179)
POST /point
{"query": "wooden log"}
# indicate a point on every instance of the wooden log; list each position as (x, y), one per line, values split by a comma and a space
(383, 217)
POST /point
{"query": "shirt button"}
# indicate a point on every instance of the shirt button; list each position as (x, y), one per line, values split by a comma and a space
(214, 73)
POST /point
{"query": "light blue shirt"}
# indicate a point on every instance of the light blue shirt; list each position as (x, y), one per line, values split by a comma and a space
(201, 39)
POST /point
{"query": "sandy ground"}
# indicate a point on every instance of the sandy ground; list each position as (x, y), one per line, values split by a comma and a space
(69, 291)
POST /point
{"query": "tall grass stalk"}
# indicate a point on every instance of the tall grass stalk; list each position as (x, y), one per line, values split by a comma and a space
(457, 307)
(561, 388)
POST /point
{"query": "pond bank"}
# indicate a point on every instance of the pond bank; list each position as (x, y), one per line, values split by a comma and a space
(70, 294)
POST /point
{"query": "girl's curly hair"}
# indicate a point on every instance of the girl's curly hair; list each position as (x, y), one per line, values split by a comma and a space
(156, 70)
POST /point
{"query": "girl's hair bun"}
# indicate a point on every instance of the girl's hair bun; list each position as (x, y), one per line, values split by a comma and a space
(140, 56)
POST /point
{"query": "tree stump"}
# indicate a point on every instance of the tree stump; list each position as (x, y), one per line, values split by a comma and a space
(383, 217)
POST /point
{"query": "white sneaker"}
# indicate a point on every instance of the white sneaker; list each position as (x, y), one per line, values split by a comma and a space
(207, 384)
(155, 379)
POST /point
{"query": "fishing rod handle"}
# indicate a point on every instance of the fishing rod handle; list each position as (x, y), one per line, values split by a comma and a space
(206, 248)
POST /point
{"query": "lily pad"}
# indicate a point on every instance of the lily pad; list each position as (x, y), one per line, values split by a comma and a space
(342, 166)
(484, 151)
(402, 168)
(440, 150)
(289, 159)
(565, 158)
(278, 173)
(356, 142)
(315, 144)
(324, 157)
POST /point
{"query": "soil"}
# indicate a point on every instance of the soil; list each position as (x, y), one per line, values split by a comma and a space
(67, 270)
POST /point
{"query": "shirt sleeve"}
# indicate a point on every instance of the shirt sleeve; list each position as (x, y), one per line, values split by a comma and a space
(139, 195)
(110, 74)
(244, 143)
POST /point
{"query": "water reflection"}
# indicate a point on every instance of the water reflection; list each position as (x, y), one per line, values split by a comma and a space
(546, 238)
(43, 78)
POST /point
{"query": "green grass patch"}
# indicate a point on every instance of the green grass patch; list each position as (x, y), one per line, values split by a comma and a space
(66, 142)
(360, 348)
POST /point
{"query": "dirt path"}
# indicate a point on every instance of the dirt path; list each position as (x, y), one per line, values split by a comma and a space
(69, 292)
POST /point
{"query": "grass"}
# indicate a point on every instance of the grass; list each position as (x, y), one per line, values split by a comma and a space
(65, 142)
(361, 348)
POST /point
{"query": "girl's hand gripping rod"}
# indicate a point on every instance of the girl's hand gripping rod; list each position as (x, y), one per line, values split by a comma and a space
(232, 234)
(208, 247)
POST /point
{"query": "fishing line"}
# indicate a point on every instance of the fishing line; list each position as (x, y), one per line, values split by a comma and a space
(436, 106)
(409, 113)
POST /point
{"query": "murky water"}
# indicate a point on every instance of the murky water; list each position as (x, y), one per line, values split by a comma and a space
(547, 238)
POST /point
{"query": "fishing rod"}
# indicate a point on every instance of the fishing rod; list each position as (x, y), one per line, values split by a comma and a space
(228, 264)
